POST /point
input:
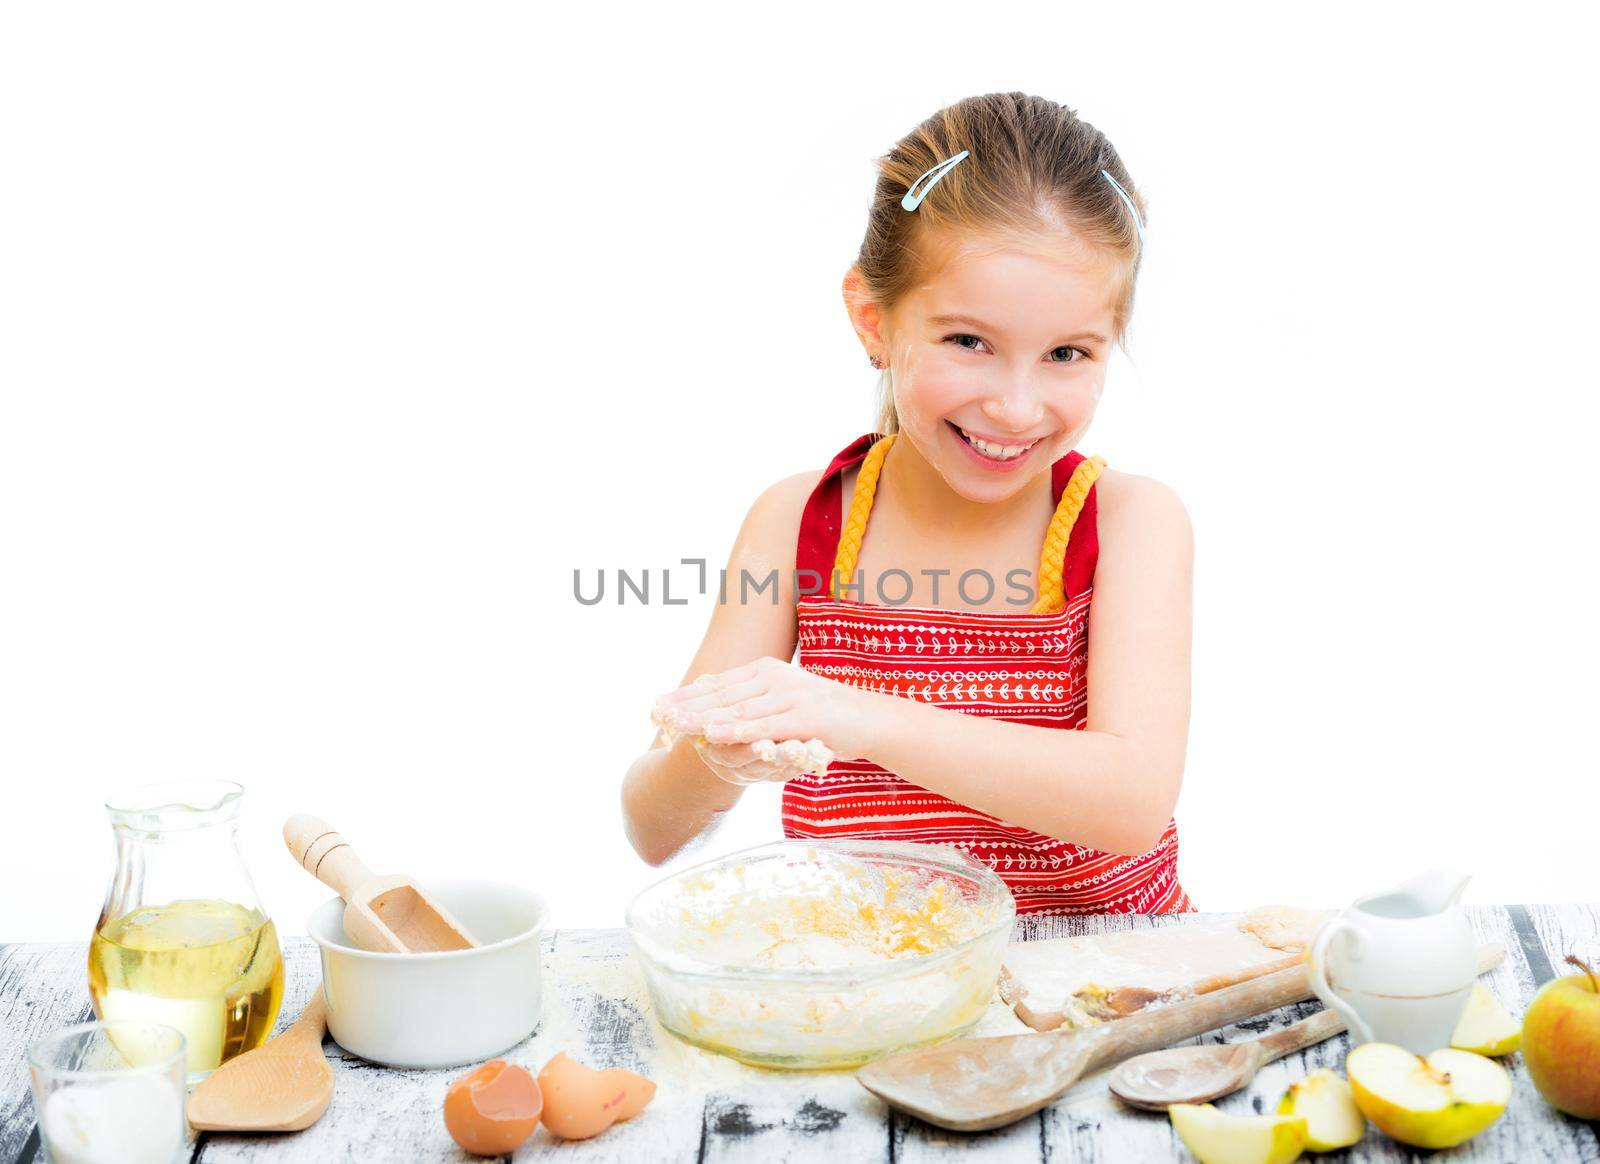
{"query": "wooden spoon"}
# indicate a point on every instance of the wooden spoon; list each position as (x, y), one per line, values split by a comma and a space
(1198, 1074)
(283, 1085)
(970, 1085)
(390, 913)
(1207, 1072)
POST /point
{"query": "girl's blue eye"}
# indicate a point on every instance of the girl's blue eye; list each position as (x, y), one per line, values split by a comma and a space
(1082, 355)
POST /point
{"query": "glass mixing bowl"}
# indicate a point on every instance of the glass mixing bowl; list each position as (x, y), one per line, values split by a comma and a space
(824, 953)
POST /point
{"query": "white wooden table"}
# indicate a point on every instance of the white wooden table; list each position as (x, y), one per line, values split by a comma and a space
(709, 1108)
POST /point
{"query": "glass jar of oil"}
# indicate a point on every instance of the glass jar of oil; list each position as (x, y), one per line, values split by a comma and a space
(182, 939)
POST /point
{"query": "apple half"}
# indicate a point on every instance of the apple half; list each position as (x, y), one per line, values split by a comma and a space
(1486, 1027)
(1333, 1120)
(1217, 1137)
(1437, 1101)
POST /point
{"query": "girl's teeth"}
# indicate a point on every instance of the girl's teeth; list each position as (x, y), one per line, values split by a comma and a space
(998, 452)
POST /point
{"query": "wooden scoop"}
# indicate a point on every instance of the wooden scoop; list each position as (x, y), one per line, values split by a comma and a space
(1203, 1073)
(390, 913)
(284, 1085)
(971, 1085)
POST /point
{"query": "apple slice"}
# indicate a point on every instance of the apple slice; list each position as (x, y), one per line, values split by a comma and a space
(1219, 1138)
(1434, 1102)
(1486, 1027)
(1333, 1120)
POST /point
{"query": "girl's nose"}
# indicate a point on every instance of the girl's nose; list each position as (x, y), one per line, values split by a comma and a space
(1016, 408)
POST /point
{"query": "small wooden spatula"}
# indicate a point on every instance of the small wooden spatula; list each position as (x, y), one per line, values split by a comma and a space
(1198, 1074)
(284, 1085)
(390, 913)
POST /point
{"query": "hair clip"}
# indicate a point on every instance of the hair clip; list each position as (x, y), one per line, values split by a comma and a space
(911, 201)
(1133, 210)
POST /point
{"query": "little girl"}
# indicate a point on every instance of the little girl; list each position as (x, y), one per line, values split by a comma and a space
(963, 585)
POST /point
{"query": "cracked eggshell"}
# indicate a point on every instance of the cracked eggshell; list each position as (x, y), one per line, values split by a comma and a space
(580, 1102)
(493, 1108)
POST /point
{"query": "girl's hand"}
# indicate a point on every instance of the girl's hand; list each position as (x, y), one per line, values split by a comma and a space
(768, 700)
(764, 761)
(761, 762)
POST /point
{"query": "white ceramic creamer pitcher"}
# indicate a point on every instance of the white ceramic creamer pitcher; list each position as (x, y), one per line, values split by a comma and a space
(1399, 965)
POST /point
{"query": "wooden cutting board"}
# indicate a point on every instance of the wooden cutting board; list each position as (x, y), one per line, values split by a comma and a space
(1079, 981)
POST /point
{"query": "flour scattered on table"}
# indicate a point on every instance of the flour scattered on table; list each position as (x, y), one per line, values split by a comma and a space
(597, 1010)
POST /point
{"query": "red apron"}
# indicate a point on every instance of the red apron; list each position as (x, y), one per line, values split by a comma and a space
(1021, 667)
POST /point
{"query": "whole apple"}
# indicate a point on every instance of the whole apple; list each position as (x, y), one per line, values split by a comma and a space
(1561, 1042)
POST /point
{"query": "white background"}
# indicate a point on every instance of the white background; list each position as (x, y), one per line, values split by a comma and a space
(332, 339)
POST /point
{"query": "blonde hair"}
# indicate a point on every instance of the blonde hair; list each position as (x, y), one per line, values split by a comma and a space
(1033, 168)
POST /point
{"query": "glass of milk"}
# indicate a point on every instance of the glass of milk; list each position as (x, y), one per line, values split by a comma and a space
(111, 1093)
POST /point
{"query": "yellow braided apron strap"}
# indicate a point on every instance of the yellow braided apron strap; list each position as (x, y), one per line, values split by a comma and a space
(855, 522)
(1054, 551)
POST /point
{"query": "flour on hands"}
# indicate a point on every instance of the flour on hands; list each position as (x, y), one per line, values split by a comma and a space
(761, 762)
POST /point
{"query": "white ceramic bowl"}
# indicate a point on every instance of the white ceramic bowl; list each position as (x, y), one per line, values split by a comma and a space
(440, 1009)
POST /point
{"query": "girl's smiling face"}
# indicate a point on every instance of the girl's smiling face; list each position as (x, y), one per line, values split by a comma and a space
(998, 358)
